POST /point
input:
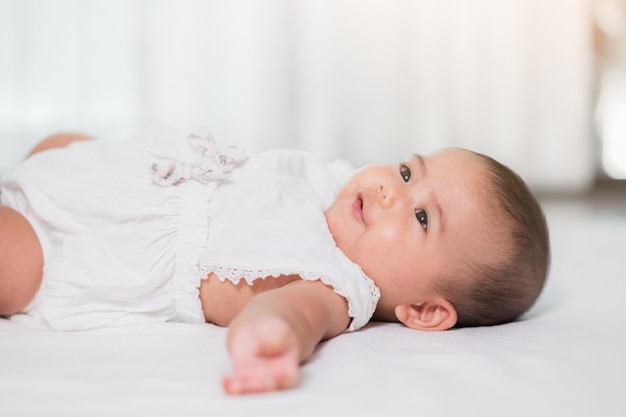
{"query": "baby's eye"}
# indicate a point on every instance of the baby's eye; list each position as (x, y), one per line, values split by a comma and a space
(405, 172)
(422, 217)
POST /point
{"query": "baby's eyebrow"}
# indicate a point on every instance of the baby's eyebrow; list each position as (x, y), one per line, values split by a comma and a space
(420, 160)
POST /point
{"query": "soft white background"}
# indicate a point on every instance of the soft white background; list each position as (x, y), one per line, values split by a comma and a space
(362, 80)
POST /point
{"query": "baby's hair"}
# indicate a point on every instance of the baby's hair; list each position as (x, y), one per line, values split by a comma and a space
(500, 292)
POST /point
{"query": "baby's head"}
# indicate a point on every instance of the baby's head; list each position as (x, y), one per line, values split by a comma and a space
(451, 238)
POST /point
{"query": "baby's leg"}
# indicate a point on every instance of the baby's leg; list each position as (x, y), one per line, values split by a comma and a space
(57, 141)
(21, 262)
(21, 256)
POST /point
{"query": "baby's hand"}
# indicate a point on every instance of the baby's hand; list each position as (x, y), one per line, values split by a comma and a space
(265, 356)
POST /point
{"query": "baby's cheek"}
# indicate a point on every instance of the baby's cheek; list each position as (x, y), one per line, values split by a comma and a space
(384, 250)
(392, 236)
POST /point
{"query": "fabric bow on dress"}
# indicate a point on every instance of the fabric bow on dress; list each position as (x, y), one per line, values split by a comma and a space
(211, 164)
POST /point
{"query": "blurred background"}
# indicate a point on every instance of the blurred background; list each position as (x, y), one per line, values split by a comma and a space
(538, 84)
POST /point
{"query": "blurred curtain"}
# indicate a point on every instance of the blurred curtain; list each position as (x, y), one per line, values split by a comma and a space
(362, 80)
(609, 18)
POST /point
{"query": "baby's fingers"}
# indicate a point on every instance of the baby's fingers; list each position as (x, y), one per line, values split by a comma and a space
(257, 381)
(239, 385)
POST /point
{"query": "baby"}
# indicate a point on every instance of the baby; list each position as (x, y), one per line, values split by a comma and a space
(284, 250)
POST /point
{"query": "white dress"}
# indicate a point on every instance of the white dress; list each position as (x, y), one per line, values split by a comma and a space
(129, 229)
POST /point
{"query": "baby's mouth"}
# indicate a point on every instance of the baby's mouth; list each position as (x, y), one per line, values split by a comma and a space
(357, 208)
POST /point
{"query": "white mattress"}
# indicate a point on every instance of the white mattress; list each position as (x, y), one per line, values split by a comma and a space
(566, 358)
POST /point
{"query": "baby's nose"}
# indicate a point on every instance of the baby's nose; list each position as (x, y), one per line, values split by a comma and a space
(387, 195)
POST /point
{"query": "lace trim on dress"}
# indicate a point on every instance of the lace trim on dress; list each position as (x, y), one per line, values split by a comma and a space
(212, 164)
(360, 318)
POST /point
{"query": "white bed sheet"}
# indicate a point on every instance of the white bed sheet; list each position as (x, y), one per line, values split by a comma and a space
(566, 358)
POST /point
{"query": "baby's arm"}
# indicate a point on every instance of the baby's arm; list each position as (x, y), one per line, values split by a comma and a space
(277, 330)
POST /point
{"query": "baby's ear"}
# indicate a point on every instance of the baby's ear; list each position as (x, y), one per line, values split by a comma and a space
(435, 314)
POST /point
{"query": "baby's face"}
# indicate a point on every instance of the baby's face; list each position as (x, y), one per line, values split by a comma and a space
(407, 223)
